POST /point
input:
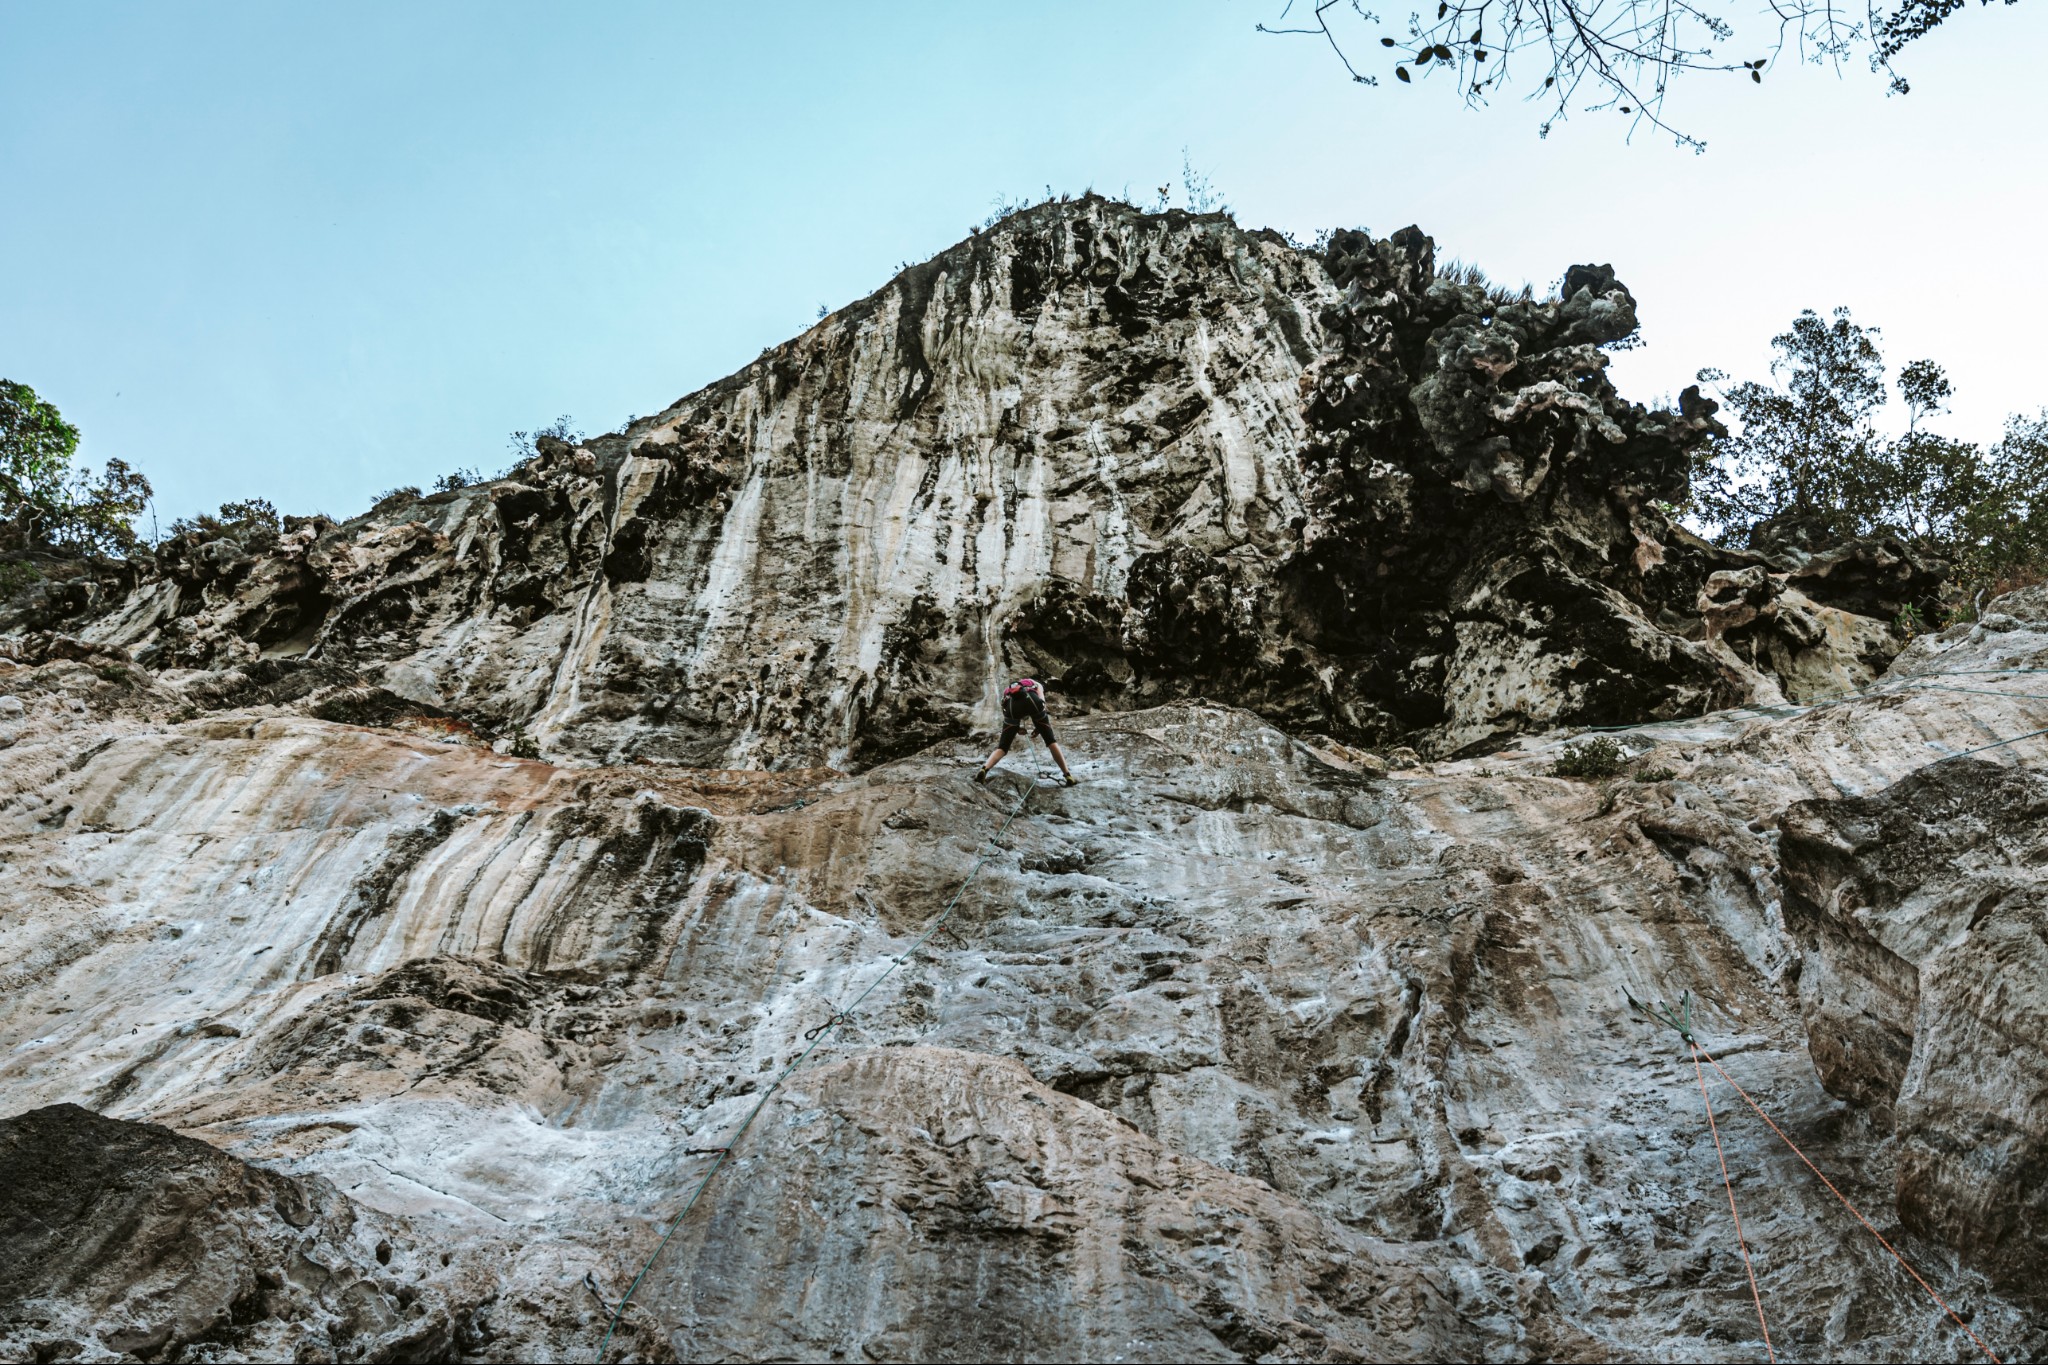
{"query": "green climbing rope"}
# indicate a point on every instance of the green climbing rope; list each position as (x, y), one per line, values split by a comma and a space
(1985, 692)
(817, 1037)
(2000, 744)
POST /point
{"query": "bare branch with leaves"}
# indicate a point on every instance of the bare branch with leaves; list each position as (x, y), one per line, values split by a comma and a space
(1605, 55)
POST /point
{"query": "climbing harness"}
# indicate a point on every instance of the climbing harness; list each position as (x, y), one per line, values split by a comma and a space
(816, 1037)
(1679, 1019)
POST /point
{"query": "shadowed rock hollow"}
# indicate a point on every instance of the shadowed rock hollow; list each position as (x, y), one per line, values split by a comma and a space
(334, 1028)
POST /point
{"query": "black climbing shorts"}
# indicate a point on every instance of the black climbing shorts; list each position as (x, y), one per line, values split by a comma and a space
(1018, 708)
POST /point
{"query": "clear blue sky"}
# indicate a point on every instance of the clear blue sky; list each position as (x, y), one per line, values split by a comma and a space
(311, 252)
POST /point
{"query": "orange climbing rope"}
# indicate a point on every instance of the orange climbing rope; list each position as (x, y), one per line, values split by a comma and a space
(1729, 1185)
(1846, 1204)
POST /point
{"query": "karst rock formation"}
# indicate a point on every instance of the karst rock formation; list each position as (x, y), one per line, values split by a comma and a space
(399, 917)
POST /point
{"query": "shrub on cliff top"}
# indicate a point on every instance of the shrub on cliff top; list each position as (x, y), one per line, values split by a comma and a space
(254, 523)
(524, 444)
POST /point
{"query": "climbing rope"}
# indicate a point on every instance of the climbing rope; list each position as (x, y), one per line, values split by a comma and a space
(1851, 1207)
(1999, 744)
(817, 1037)
(1679, 1019)
(1729, 1185)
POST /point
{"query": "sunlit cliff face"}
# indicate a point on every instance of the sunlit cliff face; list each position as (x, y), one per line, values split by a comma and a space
(1269, 1040)
(1150, 457)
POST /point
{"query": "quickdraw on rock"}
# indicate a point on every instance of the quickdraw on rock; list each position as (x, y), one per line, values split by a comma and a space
(1678, 1018)
(834, 1021)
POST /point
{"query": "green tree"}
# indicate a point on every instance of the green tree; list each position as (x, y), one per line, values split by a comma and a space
(36, 446)
(1808, 447)
(45, 502)
(1927, 486)
(2006, 533)
(1809, 459)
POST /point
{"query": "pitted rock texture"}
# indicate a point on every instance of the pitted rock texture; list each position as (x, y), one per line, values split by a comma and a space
(989, 1182)
(448, 885)
(1924, 907)
(1147, 457)
(1245, 1048)
(148, 1245)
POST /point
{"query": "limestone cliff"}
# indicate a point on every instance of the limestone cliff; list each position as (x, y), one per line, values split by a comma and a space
(1145, 457)
(397, 915)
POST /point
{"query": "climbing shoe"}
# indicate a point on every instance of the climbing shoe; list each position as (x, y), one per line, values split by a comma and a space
(981, 775)
(1073, 781)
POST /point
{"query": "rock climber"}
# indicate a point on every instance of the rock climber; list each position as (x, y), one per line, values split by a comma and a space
(1025, 699)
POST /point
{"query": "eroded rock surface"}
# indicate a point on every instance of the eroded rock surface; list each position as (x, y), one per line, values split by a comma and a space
(1243, 1048)
(1146, 456)
(146, 1244)
(1271, 1040)
(1924, 907)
